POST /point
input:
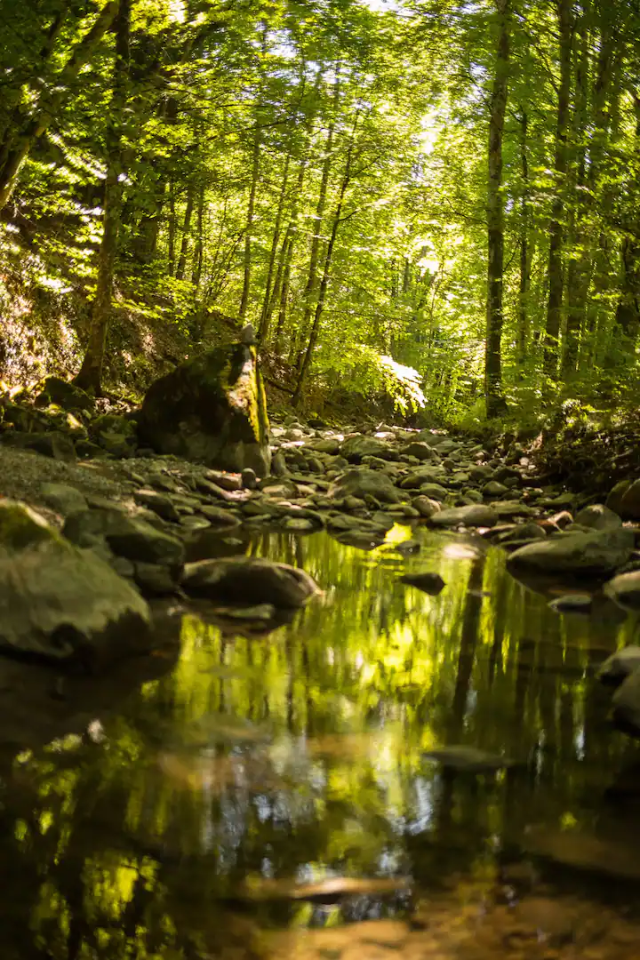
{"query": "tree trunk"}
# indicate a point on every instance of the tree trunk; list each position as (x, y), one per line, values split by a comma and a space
(310, 291)
(326, 273)
(274, 247)
(255, 169)
(495, 217)
(555, 273)
(578, 269)
(18, 141)
(525, 255)
(172, 229)
(90, 375)
(198, 255)
(628, 309)
(186, 233)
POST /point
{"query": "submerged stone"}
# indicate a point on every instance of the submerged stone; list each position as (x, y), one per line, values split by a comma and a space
(431, 583)
(620, 665)
(468, 759)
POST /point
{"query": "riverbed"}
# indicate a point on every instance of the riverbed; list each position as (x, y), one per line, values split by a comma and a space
(389, 774)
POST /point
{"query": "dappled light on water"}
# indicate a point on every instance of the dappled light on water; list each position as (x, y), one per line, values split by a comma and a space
(391, 774)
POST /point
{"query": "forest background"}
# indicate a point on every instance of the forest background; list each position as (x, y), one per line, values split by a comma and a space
(428, 200)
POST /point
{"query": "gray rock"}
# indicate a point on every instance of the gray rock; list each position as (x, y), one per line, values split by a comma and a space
(249, 582)
(434, 491)
(471, 516)
(580, 553)
(620, 665)
(219, 517)
(63, 498)
(154, 579)
(279, 465)
(424, 475)
(211, 409)
(115, 434)
(60, 602)
(431, 583)
(625, 590)
(525, 533)
(361, 482)
(249, 479)
(598, 517)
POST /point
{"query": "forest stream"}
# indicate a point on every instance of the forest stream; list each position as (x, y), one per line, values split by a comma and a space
(390, 775)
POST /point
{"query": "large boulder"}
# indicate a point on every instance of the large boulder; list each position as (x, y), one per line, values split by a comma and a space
(61, 602)
(580, 553)
(64, 394)
(249, 582)
(361, 482)
(211, 409)
(625, 590)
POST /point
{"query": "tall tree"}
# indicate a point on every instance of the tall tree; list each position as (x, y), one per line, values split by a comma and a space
(495, 215)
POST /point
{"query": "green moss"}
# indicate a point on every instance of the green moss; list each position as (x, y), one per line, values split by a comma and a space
(22, 527)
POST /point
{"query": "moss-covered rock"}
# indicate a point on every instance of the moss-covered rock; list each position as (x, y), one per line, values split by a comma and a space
(60, 602)
(211, 409)
(64, 394)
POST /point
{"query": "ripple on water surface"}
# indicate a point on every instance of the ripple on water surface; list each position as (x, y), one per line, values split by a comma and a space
(391, 774)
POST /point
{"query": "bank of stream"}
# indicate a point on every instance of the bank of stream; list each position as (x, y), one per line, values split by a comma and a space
(390, 774)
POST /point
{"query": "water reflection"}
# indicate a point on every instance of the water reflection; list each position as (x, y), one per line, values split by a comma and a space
(230, 789)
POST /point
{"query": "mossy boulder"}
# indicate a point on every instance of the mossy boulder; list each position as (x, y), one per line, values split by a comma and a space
(212, 410)
(60, 602)
(63, 394)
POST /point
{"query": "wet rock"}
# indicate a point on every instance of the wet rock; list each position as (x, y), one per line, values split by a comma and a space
(64, 394)
(431, 583)
(470, 516)
(598, 517)
(219, 517)
(616, 494)
(154, 579)
(468, 759)
(330, 446)
(115, 434)
(421, 451)
(584, 852)
(581, 553)
(434, 491)
(573, 603)
(630, 502)
(279, 465)
(425, 506)
(249, 479)
(55, 444)
(521, 535)
(249, 582)
(625, 590)
(626, 705)
(211, 409)
(493, 489)
(417, 478)
(620, 665)
(356, 448)
(62, 498)
(361, 482)
(161, 504)
(60, 602)
(126, 536)
(408, 547)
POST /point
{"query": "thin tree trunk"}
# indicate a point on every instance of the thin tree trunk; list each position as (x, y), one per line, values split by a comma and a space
(495, 217)
(326, 274)
(255, 169)
(578, 269)
(90, 375)
(555, 271)
(18, 143)
(525, 257)
(186, 233)
(172, 229)
(198, 255)
(274, 245)
(311, 288)
(628, 308)
(286, 252)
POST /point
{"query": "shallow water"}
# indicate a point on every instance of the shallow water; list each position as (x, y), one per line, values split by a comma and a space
(273, 796)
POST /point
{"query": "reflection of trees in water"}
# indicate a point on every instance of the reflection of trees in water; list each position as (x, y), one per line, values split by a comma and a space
(110, 847)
